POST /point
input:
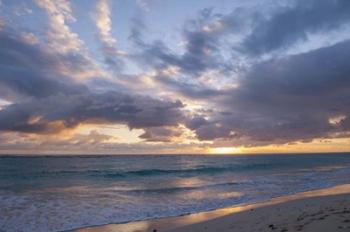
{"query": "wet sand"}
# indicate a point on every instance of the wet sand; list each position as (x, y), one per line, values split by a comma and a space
(326, 210)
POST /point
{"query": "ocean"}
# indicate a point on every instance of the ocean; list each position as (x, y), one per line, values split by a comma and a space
(67, 192)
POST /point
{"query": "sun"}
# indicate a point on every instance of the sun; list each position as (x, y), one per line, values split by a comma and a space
(223, 150)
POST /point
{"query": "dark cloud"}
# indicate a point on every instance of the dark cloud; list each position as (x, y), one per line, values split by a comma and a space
(201, 47)
(29, 71)
(137, 29)
(40, 115)
(276, 101)
(45, 101)
(190, 90)
(113, 58)
(196, 122)
(293, 23)
(287, 99)
(209, 129)
(263, 31)
(213, 130)
(161, 134)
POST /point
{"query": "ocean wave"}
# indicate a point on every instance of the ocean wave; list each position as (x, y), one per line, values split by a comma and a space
(117, 174)
(176, 189)
(122, 174)
(195, 171)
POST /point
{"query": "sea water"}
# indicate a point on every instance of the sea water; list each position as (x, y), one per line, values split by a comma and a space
(66, 192)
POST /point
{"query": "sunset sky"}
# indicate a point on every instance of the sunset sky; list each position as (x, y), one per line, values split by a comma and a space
(174, 76)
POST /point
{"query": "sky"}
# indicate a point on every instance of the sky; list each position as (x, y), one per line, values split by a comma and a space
(174, 76)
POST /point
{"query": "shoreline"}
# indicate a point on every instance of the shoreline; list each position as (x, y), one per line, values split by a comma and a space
(208, 219)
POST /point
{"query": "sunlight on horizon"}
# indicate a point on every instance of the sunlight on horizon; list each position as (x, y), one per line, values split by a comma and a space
(224, 150)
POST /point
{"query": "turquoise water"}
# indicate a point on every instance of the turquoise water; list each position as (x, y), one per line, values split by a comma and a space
(61, 193)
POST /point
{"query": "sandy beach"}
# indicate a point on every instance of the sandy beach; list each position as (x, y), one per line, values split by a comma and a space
(326, 210)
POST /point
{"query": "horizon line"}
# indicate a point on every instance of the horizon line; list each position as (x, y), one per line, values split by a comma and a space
(169, 154)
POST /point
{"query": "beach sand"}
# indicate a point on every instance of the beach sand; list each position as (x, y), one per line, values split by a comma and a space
(326, 210)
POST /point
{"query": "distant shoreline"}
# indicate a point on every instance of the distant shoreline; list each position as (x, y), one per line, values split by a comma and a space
(328, 203)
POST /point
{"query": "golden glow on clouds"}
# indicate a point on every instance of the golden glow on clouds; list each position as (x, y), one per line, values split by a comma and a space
(317, 145)
(104, 22)
(4, 103)
(61, 38)
(122, 132)
(30, 38)
(117, 139)
(91, 136)
(34, 120)
(170, 71)
(213, 27)
(336, 120)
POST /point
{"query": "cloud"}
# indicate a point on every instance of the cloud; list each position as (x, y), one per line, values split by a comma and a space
(103, 23)
(285, 100)
(92, 143)
(168, 81)
(274, 100)
(143, 4)
(27, 70)
(44, 100)
(201, 47)
(72, 58)
(294, 23)
(60, 37)
(221, 41)
(206, 52)
(63, 111)
(161, 134)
